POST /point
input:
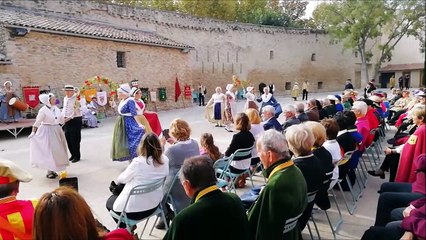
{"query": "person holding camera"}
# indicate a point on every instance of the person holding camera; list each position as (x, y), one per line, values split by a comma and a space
(150, 165)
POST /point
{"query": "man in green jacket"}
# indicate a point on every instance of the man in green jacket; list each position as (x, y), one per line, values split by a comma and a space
(212, 213)
(281, 202)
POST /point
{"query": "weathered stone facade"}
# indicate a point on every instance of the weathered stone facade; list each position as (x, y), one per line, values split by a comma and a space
(221, 49)
(51, 61)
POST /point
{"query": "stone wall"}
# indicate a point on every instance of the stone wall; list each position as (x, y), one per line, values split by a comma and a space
(257, 53)
(51, 61)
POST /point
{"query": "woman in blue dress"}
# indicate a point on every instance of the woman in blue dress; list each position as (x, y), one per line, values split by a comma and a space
(127, 131)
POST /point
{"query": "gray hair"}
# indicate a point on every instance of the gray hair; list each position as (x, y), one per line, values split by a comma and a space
(269, 108)
(274, 141)
(300, 107)
(289, 108)
(360, 106)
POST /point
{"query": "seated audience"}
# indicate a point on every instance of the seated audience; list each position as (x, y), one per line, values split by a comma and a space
(397, 195)
(312, 110)
(325, 157)
(208, 147)
(256, 129)
(331, 144)
(16, 215)
(328, 105)
(300, 142)
(398, 161)
(213, 212)
(269, 119)
(243, 139)
(300, 113)
(150, 165)
(64, 214)
(411, 224)
(399, 107)
(182, 147)
(283, 198)
(290, 116)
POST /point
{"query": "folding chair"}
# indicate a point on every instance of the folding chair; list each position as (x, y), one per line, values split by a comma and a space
(220, 166)
(244, 152)
(139, 190)
(311, 198)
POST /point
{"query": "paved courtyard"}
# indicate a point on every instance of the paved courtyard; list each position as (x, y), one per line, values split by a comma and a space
(95, 171)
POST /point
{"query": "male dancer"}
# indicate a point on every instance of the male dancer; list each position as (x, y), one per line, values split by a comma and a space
(73, 121)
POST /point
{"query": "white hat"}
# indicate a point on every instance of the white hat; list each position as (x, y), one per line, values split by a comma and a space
(4, 84)
(332, 97)
(68, 87)
(376, 99)
(249, 89)
(44, 98)
(229, 87)
(133, 91)
(10, 172)
(124, 88)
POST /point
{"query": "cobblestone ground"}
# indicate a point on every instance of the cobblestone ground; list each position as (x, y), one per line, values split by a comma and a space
(96, 170)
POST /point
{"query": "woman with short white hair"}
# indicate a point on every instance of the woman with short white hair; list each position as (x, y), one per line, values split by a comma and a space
(360, 109)
(300, 141)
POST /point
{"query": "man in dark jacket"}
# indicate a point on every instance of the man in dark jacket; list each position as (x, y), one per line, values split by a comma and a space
(213, 214)
(269, 119)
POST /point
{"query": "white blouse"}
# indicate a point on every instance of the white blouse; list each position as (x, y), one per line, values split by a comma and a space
(49, 116)
(218, 97)
(137, 173)
(250, 96)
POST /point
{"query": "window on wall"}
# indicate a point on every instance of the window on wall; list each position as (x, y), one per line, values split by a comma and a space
(287, 85)
(121, 59)
(319, 85)
(313, 57)
(271, 55)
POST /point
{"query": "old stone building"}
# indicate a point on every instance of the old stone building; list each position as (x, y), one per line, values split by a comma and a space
(160, 46)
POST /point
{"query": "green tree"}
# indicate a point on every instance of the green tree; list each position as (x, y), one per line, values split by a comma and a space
(354, 22)
(286, 13)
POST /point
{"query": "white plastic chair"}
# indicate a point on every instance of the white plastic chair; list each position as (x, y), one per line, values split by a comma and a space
(139, 190)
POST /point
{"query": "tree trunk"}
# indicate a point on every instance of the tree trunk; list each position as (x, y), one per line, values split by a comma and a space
(364, 70)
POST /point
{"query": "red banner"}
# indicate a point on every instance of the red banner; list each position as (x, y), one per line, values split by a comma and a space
(31, 95)
(177, 90)
(187, 91)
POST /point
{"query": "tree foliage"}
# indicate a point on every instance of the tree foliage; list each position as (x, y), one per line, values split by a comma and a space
(286, 13)
(354, 22)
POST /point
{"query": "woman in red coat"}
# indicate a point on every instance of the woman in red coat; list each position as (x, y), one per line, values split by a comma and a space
(415, 146)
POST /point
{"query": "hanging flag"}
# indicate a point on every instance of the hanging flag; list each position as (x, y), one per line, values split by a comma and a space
(177, 90)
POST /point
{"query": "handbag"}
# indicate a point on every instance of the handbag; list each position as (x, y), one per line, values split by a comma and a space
(116, 189)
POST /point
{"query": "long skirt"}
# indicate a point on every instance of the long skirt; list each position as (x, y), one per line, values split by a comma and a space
(218, 111)
(48, 148)
(154, 122)
(209, 113)
(228, 114)
(120, 145)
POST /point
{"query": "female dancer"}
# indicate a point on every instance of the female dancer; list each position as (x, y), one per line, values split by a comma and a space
(250, 99)
(136, 94)
(48, 146)
(127, 131)
(229, 107)
(218, 101)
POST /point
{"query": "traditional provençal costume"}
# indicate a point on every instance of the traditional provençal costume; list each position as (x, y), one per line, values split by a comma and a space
(127, 131)
(251, 98)
(48, 146)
